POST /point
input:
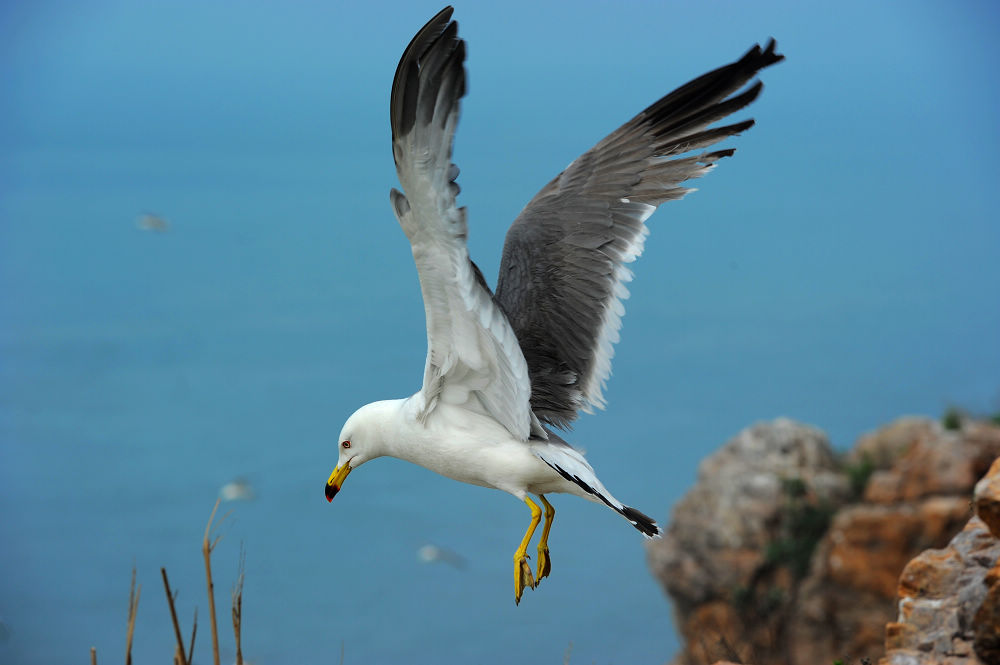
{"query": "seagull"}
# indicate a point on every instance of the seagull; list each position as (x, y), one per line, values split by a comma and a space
(504, 369)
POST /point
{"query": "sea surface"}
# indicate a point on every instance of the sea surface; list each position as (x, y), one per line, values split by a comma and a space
(840, 269)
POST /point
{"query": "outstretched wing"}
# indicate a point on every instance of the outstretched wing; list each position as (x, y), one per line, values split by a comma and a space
(564, 267)
(473, 357)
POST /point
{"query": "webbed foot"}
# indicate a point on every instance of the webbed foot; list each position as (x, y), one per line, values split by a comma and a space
(522, 578)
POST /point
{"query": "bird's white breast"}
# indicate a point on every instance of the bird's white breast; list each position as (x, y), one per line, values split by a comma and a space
(471, 448)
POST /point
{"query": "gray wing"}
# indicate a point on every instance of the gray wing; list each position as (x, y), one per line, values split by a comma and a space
(564, 266)
(473, 357)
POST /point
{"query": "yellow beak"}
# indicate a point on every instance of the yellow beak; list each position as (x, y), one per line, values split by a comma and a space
(336, 480)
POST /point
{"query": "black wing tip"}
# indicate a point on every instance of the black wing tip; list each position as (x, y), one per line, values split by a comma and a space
(760, 58)
(437, 24)
(753, 91)
(404, 83)
(769, 51)
(713, 157)
(426, 36)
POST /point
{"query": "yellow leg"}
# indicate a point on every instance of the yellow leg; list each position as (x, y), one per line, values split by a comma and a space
(544, 563)
(522, 571)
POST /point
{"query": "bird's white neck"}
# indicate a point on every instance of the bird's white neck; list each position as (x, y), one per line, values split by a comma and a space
(384, 424)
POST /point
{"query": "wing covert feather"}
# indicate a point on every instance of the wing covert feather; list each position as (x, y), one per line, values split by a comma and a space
(565, 259)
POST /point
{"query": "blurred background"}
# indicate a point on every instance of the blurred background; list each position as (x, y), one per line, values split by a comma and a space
(201, 278)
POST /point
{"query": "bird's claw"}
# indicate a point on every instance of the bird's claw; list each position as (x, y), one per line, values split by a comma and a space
(522, 578)
(544, 565)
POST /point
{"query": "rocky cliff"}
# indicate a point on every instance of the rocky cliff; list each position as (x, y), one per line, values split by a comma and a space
(785, 553)
(949, 599)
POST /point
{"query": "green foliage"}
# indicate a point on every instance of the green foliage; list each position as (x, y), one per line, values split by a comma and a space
(803, 523)
(952, 418)
(794, 488)
(747, 601)
(773, 599)
(742, 598)
(858, 474)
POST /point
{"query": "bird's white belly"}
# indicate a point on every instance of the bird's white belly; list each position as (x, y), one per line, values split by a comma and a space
(475, 449)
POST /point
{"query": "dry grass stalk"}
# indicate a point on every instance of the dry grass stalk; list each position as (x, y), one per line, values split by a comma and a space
(238, 605)
(179, 654)
(194, 631)
(133, 609)
(207, 546)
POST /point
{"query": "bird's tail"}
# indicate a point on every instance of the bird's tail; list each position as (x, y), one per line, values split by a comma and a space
(571, 465)
(640, 521)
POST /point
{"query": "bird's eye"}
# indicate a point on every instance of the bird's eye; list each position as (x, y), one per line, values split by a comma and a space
(346, 444)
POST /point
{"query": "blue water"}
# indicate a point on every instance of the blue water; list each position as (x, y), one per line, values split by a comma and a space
(841, 270)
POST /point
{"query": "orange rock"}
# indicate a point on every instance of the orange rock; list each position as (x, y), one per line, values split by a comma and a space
(713, 631)
(898, 634)
(740, 595)
(871, 544)
(886, 444)
(930, 575)
(992, 577)
(944, 610)
(934, 462)
(986, 636)
(987, 498)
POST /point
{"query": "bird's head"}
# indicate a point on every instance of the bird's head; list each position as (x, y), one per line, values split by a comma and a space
(360, 440)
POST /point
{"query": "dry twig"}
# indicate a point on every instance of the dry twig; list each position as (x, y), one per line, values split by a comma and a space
(179, 655)
(238, 605)
(206, 549)
(567, 653)
(194, 631)
(133, 608)
(180, 658)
